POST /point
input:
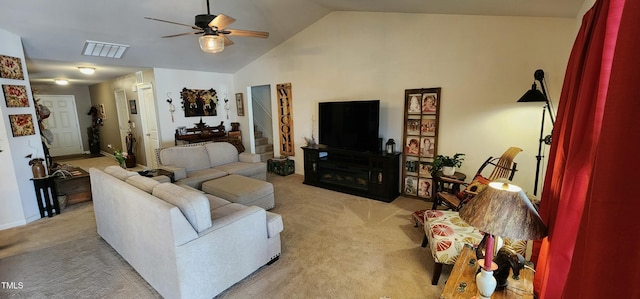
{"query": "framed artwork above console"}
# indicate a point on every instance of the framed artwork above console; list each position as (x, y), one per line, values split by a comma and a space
(420, 140)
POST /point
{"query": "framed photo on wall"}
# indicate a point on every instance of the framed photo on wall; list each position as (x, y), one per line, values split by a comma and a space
(240, 104)
(132, 106)
(424, 187)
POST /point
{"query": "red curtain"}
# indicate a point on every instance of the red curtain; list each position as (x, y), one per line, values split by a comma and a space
(589, 199)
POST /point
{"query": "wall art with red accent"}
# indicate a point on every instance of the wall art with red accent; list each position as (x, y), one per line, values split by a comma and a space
(15, 95)
(22, 125)
(11, 67)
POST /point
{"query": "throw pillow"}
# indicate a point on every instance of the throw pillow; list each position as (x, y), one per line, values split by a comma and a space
(477, 184)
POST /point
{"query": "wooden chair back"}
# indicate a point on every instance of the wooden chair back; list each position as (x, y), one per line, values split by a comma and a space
(504, 167)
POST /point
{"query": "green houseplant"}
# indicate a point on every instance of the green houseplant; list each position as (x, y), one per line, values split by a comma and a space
(447, 164)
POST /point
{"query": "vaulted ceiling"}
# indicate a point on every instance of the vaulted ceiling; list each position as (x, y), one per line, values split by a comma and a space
(54, 32)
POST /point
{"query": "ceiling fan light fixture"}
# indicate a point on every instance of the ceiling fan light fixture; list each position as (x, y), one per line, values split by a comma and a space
(211, 43)
(87, 70)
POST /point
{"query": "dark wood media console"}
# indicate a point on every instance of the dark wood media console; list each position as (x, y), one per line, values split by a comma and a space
(367, 174)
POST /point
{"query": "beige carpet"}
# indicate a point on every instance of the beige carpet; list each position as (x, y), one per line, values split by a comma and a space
(334, 245)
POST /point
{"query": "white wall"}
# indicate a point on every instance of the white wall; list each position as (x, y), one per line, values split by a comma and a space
(173, 81)
(18, 198)
(484, 64)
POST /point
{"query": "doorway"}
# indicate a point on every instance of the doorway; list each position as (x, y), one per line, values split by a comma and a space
(260, 118)
(63, 124)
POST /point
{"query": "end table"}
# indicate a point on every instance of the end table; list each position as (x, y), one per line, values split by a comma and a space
(462, 280)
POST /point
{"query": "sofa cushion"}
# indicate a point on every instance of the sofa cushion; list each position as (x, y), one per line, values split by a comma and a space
(193, 205)
(221, 153)
(226, 210)
(197, 177)
(189, 157)
(143, 183)
(216, 202)
(119, 172)
(243, 168)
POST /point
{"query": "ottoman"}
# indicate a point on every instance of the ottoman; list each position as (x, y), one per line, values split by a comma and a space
(242, 190)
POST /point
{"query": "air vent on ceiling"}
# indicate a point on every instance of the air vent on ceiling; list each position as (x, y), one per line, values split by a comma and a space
(139, 79)
(102, 49)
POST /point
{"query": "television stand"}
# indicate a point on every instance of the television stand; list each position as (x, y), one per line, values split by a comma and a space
(366, 174)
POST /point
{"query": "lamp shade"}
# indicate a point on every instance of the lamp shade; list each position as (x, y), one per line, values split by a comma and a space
(533, 95)
(502, 209)
(211, 43)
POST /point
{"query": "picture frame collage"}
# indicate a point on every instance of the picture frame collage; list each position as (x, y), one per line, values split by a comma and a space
(16, 96)
(420, 136)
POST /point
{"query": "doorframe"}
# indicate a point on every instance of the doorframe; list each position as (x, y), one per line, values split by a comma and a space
(150, 159)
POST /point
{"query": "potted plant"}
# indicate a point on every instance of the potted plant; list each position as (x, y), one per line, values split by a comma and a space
(447, 164)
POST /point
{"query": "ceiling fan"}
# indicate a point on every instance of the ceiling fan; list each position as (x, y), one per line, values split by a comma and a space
(214, 31)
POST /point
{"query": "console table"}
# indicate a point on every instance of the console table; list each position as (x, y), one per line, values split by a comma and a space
(47, 196)
(204, 133)
(367, 174)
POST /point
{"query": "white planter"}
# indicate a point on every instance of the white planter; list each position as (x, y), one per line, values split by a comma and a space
(448, 170)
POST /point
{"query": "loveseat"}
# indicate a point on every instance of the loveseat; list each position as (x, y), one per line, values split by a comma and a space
(183, 242)
(194, 164)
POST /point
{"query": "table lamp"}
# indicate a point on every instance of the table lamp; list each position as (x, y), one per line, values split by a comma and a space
(501, 209)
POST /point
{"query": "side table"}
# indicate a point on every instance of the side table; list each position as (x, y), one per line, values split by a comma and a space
(443, 185)
(281, 166)
(462, 280)
(47, 196)
(77, 186)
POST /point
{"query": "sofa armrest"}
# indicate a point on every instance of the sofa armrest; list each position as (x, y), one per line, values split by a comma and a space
(249, 157)
(178, 172)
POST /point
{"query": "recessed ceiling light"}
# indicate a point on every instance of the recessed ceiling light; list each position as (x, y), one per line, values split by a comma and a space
(61, 81)
(87, 70)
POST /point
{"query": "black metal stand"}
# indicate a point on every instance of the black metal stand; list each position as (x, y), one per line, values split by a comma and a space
(539, 76)
(539, 156)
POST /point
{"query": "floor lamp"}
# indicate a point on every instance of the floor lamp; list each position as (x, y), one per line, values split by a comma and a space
(534, 95)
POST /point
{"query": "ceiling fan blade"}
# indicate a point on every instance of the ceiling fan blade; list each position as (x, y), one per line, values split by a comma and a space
(247, 33)
(221, 21)
(181, 34)
(170, 22)
(227, 41)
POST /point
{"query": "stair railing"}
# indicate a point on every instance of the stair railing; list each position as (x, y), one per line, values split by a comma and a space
(262, 118)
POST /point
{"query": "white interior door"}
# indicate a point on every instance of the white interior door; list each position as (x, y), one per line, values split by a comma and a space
(149, 123)
(63, 124)
(123, 115)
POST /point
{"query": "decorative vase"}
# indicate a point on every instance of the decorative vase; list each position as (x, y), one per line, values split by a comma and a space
(486, 283)
(448, 170)
(130, 161)
(37, 168)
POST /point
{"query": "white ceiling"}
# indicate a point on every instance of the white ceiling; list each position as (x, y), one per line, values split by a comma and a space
(53, 32)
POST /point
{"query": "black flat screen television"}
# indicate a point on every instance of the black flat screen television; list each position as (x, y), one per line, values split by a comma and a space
(350, 125)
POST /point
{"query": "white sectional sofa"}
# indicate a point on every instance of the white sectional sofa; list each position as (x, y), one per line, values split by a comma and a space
(184, 243)
(194, 164)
